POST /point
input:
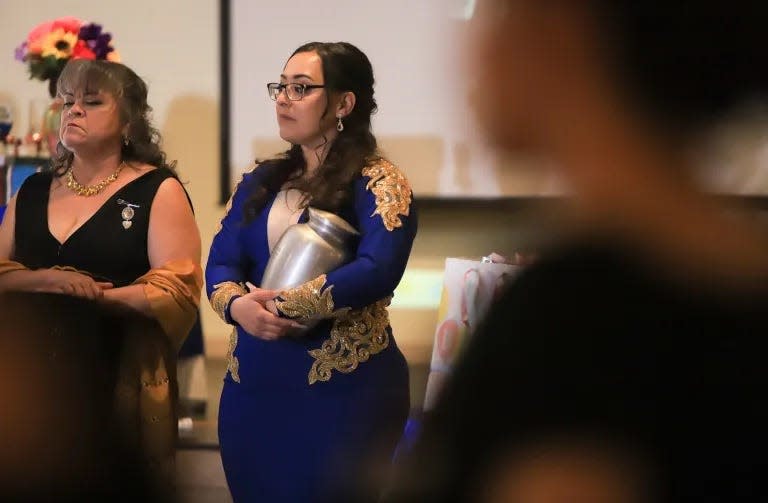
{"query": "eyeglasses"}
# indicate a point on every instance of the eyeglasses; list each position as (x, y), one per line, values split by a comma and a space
(294, 91)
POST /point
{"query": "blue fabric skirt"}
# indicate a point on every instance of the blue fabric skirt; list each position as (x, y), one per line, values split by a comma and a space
(330, 441)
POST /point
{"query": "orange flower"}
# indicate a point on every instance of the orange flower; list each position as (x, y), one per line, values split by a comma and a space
(113, 56)
(36, 36)
(68, 23)
(39, 31)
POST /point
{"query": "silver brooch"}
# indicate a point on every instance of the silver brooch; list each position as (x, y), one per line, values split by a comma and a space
(128, 213)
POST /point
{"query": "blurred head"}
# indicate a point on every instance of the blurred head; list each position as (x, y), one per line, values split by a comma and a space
(105, 108)
(569, 470)
(676, 67)
(56, 440)
(346, 77)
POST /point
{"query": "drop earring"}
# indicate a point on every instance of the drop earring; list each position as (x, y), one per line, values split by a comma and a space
(339, 124)
(126, 141)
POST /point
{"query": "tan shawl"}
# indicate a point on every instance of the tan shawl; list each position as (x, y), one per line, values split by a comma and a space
(10, 266)
(173, 292)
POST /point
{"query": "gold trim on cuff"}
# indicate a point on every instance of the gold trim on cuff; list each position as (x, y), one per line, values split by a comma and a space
(308, 301)
(222, 294)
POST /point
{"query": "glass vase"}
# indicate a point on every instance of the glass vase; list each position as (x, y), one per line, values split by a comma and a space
(52, 118)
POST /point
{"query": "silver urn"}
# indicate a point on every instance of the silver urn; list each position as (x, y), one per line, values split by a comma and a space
(305, 251)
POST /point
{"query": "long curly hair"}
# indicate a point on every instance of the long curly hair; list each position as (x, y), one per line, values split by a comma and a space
(141, 143)
(345, 68)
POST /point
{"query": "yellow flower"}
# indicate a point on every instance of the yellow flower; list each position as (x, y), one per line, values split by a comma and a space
(113, 56)
(59, 44)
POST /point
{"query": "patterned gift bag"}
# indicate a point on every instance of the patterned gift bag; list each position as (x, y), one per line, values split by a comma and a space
(469, 289)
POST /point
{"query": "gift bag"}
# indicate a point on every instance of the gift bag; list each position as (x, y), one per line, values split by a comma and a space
(469, 288)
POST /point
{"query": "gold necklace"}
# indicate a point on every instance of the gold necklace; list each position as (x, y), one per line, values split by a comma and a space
(90, 190)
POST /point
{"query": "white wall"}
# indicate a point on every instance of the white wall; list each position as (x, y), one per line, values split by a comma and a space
(172, 44)
(424, 123)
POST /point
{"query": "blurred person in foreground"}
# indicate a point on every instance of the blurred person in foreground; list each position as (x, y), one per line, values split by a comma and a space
(626, 364)
(59, 357)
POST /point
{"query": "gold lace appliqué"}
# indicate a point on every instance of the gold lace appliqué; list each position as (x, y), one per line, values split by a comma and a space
(355, 337)
(308, 301)
(233, 364)
(222, 294)
(392, 191)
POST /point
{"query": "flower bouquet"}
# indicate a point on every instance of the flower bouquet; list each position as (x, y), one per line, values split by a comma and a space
(50, 45)
(47, 49)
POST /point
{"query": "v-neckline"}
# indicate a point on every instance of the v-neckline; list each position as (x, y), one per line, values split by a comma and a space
(283, 206)
(93, 215)
(264, 219)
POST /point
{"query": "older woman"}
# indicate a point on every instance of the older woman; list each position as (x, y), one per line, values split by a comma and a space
(112, 223)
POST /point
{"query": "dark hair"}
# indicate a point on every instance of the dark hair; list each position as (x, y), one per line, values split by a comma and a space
(130, 91)
(345, 68)
(687, 65)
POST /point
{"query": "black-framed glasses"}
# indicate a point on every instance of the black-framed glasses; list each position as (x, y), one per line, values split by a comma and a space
(294, 91)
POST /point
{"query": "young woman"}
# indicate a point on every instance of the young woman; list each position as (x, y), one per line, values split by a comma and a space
(302, 416)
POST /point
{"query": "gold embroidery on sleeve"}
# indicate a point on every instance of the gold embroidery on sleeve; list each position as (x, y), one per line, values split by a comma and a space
(355, 337)
(222, 294)
(392, 191)
(308, 301)
(233, 364)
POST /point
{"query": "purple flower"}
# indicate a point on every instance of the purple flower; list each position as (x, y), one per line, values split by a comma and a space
(97, 41)
(21, 52)
(100, 46)
(90, 31)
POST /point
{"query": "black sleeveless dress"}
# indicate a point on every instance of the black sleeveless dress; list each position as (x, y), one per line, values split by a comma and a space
(110, 246)
(88, 355)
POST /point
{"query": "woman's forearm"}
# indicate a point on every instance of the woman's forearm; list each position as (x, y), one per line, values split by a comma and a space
(23, 280)
(131, 296)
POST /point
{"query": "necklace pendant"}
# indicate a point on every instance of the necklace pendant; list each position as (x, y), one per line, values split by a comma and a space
(127, 213)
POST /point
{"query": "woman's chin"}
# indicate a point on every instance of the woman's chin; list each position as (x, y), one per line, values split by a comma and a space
(289, 136)
(71, 141)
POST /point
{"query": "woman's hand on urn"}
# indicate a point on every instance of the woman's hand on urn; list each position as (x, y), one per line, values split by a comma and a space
(269, 304)
(250, 312)
(71, 283)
